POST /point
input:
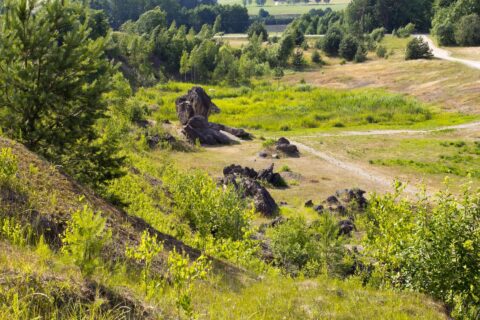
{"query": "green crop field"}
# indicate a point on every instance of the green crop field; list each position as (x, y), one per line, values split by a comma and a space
(287, 9)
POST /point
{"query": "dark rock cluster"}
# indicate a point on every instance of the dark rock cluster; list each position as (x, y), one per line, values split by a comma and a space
(193, 110)
(247, 182)
(284, 146)
(344, 203)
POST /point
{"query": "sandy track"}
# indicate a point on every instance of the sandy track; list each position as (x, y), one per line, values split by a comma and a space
(469, 125)
(360, 170)
(446, 55)
(354, 169)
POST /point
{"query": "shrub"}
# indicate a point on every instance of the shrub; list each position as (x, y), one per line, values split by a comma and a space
(258, 29)
(314, 249)
(298, 60)
(406, 31)
(145, 252)
(207, 208)
(417, 48)
(360, 55)
(291, 245)
(431, 247)
(445, 33)
(348, 47)
(8, 165)
(316, 58)
(381, 52)
(182, 274)
(378, 34)
(84, 239)
(269, 143)
(467, 30)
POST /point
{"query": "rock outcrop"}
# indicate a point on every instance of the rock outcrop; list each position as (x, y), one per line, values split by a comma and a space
(246, 181)
(284, 146)
(193, 110)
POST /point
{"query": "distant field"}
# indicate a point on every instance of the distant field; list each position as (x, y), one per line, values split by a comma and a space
(286, 9)
(452, 86)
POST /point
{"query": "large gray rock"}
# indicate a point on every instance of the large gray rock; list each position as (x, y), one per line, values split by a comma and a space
(251, 188)
(195, 103)
(193, 110)
(197, 128)
(284, 146)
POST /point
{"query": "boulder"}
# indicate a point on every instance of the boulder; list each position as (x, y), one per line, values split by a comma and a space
(195, 103)
(263, 201)
(284, 146)
(353, 198)
(193, 110)
(197, 128)
(251, 188)
(346, 227)
(275, 179)
(240, 171)
(263, 154)
(309, 204)
(319, 209)
(154, 140)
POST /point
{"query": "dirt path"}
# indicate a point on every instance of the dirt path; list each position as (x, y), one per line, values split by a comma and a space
(446, 55)
(469, 125)
(360, 170)
(354, 169)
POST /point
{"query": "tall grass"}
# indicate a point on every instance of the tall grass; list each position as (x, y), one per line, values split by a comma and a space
(271, 108)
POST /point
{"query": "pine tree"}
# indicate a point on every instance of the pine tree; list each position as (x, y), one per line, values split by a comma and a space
(217, 26)
(184, 64)
(52, 78)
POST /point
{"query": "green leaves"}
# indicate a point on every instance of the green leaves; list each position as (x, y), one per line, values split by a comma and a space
(52, 78)
(428, 246)
(8, 165)
(84, 239)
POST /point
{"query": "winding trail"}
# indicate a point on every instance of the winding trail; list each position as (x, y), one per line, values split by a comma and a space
(446, 55)
(469, 125)
(360, 170)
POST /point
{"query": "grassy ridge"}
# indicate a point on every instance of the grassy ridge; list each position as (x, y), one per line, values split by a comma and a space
(267, 107)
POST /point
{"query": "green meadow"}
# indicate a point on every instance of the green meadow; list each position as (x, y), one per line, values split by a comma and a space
(299, 108)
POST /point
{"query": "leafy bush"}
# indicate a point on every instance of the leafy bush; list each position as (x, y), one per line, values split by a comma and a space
(314, 249)
(467, 30)
(428, 246)
(258, 29)
(8, 165)
(445, 33)
(298, 61)
(360, 55)
(316, 58)
(182, 274)
(207, 208)
(145, 252)
(406, 31)
(378, 34)
(381, 52)
(417, 48)
(84, 239)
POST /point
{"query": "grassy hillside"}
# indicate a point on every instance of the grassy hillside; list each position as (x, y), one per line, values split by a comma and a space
(40, 279)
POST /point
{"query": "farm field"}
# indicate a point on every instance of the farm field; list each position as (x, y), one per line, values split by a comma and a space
(287, 9)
